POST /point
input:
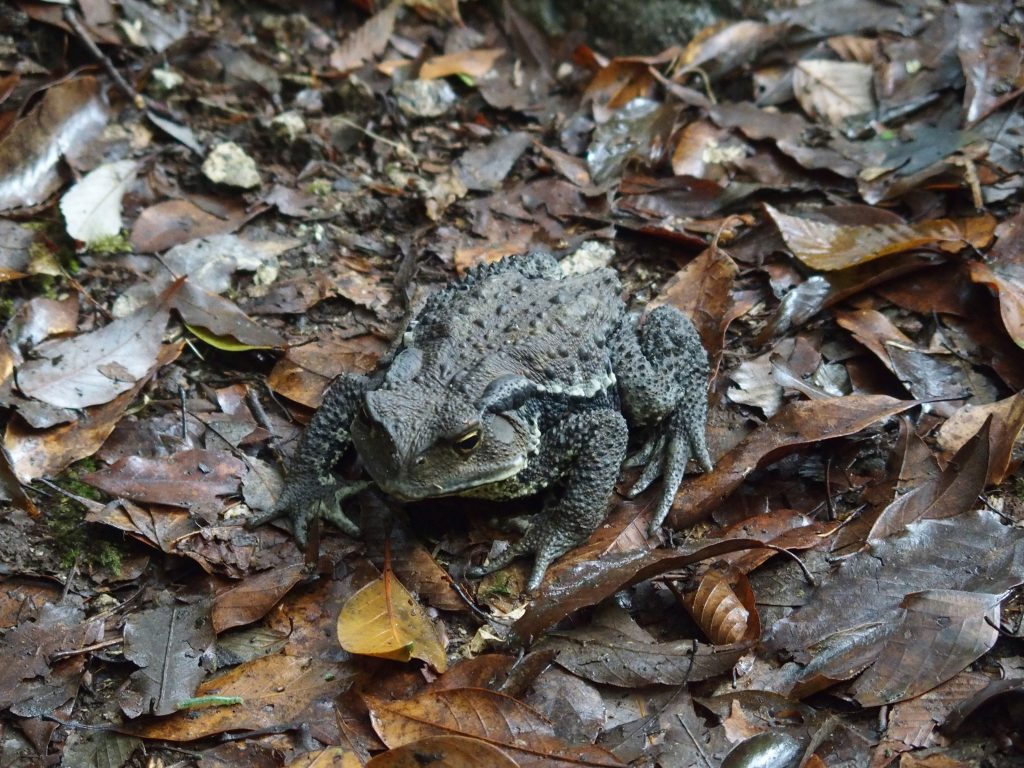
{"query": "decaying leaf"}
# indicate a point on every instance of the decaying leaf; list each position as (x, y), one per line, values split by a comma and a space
(833, 90)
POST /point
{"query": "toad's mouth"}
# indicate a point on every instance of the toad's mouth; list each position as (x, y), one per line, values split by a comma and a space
(406, 488)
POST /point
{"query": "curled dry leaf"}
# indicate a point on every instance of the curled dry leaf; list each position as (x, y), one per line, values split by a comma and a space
(827, 246)
(384, 619)
(718, 609)
(1007, 423)
(250, 599)
(449, 751)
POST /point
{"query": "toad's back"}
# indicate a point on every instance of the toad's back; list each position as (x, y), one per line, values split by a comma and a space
(530, 322)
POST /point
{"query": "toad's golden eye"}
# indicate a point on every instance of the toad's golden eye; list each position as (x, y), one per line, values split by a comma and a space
(467, 441)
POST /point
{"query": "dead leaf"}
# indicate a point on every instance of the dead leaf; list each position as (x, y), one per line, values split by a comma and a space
(67, 372)
(719, 610)
(250, 599)
(449, 751)
(833, 90)
(384, 619)
(827, 246)
(186, 479)
(368, 41)
(173, 222)
(92, 207)
(796, 424)
(70, 114)
(305, 371)
(497, 719)
(475, 63)
(274, 689)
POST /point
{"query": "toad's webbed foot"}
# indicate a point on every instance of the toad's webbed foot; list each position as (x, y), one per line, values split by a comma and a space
(662, 372)
(312, 490)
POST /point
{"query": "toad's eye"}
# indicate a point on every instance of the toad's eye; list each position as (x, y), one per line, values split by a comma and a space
(467, 441)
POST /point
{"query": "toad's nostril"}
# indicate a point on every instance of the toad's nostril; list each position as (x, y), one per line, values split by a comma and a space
(420, 460)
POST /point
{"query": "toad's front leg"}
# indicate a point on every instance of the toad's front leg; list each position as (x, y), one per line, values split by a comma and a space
(312, 489)
(581, 457)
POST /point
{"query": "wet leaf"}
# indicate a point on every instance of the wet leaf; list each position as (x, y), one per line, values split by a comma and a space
(497, 719)
(1007, 423)
(220, 323)
(96, 367)
(449, 751)
(69, 116)
(274, 689)
(384, 619)
(92, 207)
(941, 632)
(827, 246)
(305, 371)
(332, 757)
(796, 425)
(169, 643)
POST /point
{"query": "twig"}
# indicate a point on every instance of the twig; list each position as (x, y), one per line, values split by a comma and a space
(83, 34)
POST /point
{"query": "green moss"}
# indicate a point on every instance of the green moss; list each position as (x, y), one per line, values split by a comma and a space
(73, 538)
(500, 587)
(118, 243)
(319, 187)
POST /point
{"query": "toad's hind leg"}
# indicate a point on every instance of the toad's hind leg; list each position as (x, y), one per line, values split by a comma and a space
(585, 450)
(662, 374)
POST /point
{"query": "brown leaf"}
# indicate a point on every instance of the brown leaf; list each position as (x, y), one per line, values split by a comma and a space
(475, 63)
(718, 609)
(305, 371)
(186, 479)
(174, 222)
(332, 757)
(497, 719)
(827, 246)
(68, 372)
(368, 41)
(274, 689)
(795, 425)
(384, 619)
(71, 113)
(1007, 423)
(250, 599)
(941, 632)
(449, 751)
(990, 57)
(702, 291)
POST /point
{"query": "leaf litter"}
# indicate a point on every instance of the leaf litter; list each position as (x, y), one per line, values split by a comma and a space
(831, 191)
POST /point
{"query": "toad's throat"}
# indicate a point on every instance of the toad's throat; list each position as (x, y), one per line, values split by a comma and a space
(404, 490)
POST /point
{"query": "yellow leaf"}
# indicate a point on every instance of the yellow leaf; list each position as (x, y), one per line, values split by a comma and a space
(383, 619)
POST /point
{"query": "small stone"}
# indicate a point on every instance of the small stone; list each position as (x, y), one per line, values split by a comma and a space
(288, 126)
(425, 98)
(228, 164)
